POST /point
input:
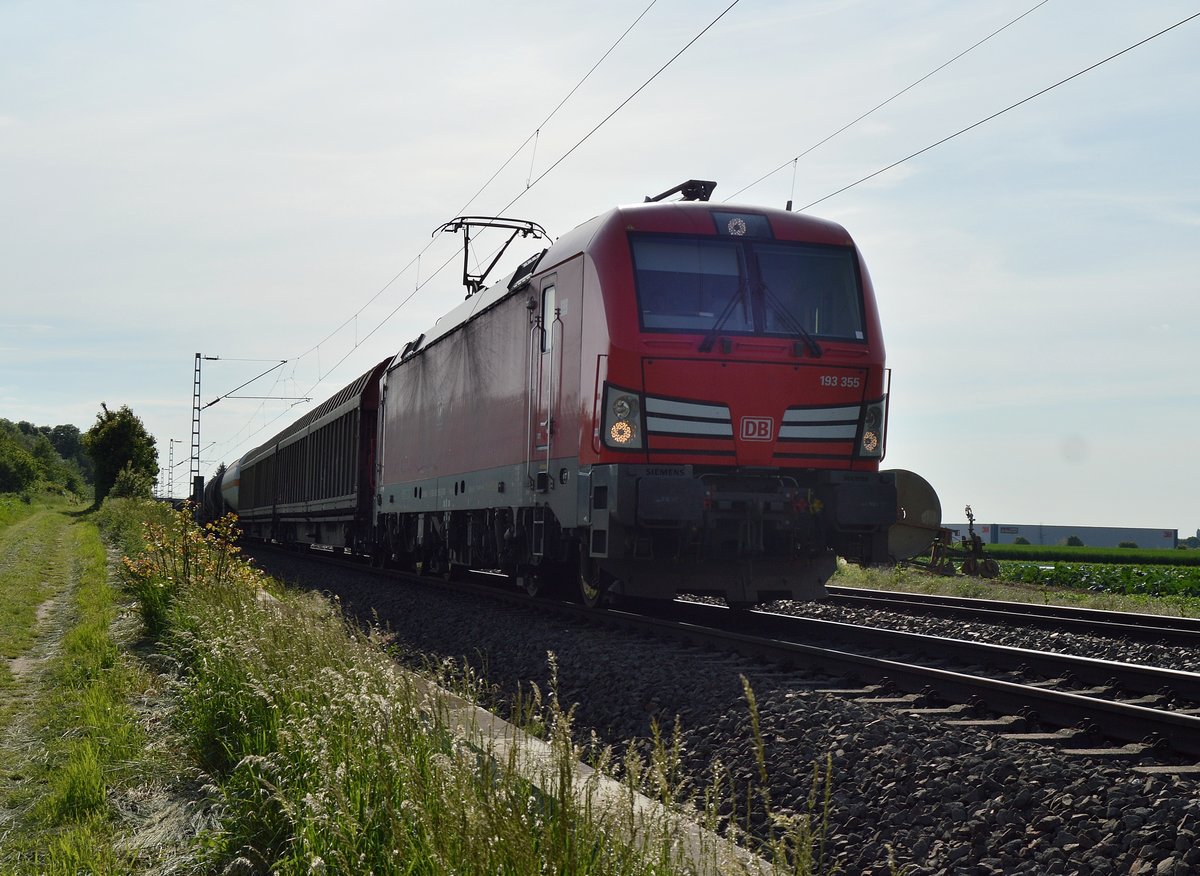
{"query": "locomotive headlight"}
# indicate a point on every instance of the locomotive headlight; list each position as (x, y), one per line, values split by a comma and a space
(622, 432)
(622, 425)
(873, 419)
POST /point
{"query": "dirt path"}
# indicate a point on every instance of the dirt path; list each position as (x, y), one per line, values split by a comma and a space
(37, 575)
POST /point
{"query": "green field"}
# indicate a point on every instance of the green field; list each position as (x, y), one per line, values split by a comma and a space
(1125, 578)
(1125, 571)
(1116, 556)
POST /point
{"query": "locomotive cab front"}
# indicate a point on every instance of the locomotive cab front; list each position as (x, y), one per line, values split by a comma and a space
(741, 406)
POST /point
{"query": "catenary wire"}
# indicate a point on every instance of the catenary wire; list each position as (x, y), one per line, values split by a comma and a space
(554, 111)
(622, 104)
(489, 181)
(999, 113)
(529, 185)
(320, 378)
(880, 106)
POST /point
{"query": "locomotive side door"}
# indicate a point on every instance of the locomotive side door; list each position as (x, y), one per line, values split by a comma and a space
(545, 371)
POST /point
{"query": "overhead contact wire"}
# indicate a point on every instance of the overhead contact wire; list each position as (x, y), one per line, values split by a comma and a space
(623, 103)
(530, 185)
(999, 113)
(554, 112)
(416, 259)
(880, 106)
(490, 179)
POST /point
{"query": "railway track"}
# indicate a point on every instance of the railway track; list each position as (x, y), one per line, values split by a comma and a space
(1082, 705)
(1136, 627)
(928, 785)
(1148, 709)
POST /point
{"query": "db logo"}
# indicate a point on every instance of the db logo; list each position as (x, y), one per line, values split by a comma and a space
(757, 428)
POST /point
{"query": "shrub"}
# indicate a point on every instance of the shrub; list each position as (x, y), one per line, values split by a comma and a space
(132, 483)
(123, 522)
(179, 554)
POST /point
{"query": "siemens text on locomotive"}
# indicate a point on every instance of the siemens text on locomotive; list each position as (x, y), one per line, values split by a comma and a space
(676, 396)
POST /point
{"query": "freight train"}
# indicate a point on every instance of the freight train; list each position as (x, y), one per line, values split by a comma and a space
(676, 396)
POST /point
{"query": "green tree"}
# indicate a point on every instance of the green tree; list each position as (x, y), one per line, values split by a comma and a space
(43, 451)
(18, 469)
(132, 484)
(116, 440)
(68, 441)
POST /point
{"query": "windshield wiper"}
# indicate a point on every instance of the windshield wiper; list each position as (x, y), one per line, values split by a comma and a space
(789, 319)
(723, 317)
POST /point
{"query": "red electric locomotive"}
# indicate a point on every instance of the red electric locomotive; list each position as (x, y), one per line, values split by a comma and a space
(675, 396)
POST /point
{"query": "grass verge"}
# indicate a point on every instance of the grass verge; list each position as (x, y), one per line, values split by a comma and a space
(322, 757)
(315, 753)
(13, 508)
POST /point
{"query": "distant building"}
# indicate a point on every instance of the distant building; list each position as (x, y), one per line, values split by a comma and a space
(1092, 536)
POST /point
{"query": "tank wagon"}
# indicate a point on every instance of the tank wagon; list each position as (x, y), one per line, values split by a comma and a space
(675, 396)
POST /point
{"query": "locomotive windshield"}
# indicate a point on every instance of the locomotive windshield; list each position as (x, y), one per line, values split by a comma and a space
(746, 286)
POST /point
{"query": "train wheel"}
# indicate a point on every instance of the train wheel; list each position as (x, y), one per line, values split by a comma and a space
(593, 582)
(436, 566)
(531, 582)
(740, 604)
(543, 584)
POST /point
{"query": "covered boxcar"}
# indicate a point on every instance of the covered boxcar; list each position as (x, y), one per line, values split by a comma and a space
(314, 482)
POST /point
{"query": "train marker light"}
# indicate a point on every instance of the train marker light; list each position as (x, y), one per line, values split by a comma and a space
(871, 443)
(621, 432)
(623, 424)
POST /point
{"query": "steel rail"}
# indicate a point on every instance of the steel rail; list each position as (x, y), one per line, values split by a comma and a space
(1127, 625)
(1133, 677)
(1119, 721)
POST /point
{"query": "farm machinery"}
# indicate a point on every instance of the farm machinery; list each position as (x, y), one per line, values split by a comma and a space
(968, 553)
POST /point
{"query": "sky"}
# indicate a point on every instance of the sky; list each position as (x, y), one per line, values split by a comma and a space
(262, 181)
